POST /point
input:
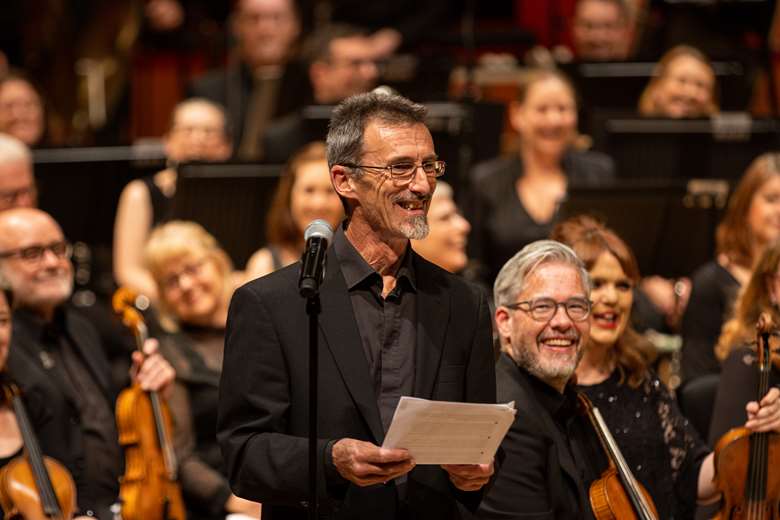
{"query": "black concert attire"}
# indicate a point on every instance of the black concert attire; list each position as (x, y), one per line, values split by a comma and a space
(431, 338)
(501, 226)
(72, 371)
(713, 294)
(738, 386)
(196, 355)
(551, 452)
(660, 446)
(162, 204)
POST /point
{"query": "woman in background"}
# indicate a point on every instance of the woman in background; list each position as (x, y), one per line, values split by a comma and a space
(736, 346)
(194, 279)
(514, 199)
(752, 221)
(660, 446)
(198, 132)
(304, 193)
(683, 85)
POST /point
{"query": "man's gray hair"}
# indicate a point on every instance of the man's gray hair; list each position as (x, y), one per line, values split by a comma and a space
(13, 150)
(351, 116)
(512, 277)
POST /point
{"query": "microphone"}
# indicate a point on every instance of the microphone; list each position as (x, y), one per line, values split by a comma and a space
(317, 236)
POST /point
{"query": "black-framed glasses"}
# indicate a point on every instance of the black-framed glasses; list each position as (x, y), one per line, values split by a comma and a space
(60, 249)
(403, 172)
(543, 309)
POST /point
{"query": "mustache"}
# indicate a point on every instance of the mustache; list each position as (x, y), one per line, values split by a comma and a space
(411, 197)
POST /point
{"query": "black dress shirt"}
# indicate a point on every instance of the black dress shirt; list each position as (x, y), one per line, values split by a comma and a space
(551, 452)
(61, 358)
(386, 324)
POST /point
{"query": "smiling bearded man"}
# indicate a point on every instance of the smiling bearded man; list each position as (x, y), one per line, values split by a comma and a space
(392, 324)
(552, 454)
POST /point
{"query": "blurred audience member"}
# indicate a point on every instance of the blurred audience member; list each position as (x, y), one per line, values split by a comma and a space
(751, 222)
(448, 232)
(265, 82)
(515, 199)
(340, 65)
(194, 282)
(683, 85)
(197, 133)
(17, 184)
(21, 109)
(304, 193)
(67, 354)
(601, 30)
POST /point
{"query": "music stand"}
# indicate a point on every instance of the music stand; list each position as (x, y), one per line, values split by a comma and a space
(230, 200)
(80, 187)
(670, 225)
(721, 147)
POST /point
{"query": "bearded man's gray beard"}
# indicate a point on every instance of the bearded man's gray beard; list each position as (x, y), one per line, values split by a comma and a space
(415, 228)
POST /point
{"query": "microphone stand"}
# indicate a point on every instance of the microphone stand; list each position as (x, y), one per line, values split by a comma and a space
(313, 311)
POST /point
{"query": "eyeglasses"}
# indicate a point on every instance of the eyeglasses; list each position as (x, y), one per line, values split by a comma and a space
(61, 249)
(543, 309)
(403, 172)
(191, 270)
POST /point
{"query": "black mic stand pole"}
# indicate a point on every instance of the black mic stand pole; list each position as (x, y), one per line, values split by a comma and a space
(313, 310)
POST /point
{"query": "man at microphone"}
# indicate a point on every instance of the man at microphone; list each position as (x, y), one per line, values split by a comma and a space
(391, 324)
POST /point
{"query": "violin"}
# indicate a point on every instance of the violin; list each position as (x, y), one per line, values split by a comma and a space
(743, 473)
(616, 494)
(33, 486)
(149, 488)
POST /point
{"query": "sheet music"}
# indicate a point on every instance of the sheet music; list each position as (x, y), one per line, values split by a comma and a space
(442, 432)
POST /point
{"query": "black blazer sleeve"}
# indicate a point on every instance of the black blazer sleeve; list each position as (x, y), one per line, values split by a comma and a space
(260, 462)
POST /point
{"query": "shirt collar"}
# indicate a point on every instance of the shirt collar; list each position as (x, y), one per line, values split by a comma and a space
(37, 327)
(560, 406)
(356, 270)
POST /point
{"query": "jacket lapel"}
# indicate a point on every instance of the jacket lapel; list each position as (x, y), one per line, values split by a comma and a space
(433, 315)
(342, 337)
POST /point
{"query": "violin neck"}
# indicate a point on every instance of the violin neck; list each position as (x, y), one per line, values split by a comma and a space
(641, 507)
(49, 503)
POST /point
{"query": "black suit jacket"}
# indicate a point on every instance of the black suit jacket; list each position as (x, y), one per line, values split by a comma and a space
(263, 409)
(59, 432)
(539, 478)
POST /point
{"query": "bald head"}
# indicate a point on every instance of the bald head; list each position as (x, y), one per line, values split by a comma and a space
(35, 260)
(17, 185)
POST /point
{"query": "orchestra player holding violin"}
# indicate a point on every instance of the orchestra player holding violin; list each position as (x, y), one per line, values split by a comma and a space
(736, 348)
(551, 451)
(66, 360)
(660, 446)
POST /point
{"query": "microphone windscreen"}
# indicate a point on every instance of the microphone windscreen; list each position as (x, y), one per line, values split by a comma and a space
(318, 228)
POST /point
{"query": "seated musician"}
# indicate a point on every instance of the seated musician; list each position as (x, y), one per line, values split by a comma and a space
(66, 355)
(551, 450)
(193, 276)
(661, 447)
(198, 132)
(736, 346)
(683, 85)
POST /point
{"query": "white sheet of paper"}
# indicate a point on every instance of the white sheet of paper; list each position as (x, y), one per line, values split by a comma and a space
(443, 432)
